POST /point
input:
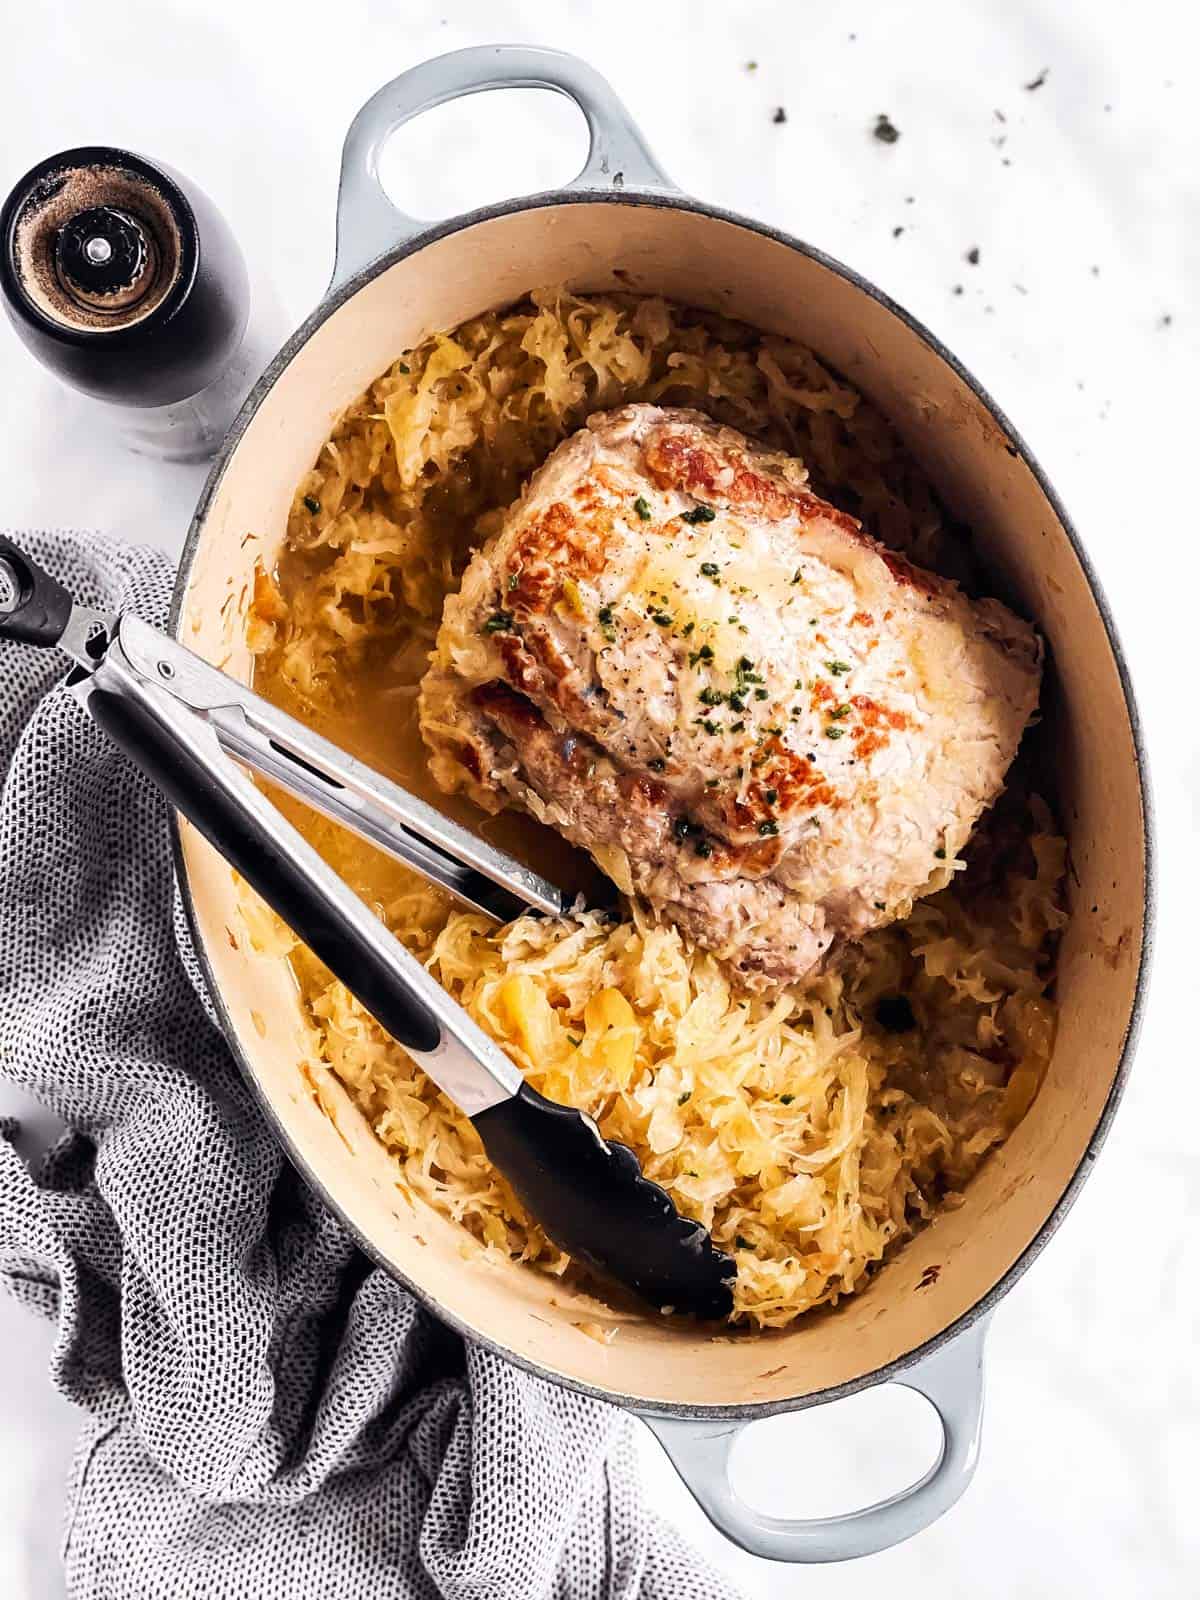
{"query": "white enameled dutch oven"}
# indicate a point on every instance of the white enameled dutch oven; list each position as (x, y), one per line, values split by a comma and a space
(622, 225)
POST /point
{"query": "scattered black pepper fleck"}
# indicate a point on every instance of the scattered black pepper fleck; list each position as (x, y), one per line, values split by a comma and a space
(958, 289)
(703, 849)
(311, 506)
(780, 115)
(897, 231)
(1036, 83)
(973, 255)
(740, 1243)
(885, 129)
(657, 764)
(1165, 320)
(684, 1097)
(786, 1099)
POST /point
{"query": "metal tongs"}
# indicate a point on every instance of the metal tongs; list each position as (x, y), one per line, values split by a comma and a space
(192, 730)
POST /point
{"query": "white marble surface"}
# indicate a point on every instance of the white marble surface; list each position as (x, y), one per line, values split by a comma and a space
(1089, 240)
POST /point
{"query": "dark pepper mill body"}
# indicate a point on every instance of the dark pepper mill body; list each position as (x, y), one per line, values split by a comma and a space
(124, 280)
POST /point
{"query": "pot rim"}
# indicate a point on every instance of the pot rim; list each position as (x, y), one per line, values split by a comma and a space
(332, 302)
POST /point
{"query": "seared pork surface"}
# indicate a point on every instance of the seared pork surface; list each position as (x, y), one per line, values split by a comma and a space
(755, 717)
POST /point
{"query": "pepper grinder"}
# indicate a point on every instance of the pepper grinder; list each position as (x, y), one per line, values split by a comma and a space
(124, 280)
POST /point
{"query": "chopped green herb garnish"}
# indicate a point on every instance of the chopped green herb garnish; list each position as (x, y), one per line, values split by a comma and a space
(738, 727)
(699, 514)
(835, 733)
(703, 654)
(714, 697)
(940, 855)
(786, 1099)
(311, 506)
(760, 694)
(662, 618)
(710, 569)
(711, 783)
(514, 579)
(403, 366)
(684, 1097)
(681, 828)
(703, 849)
(742, 1244)
(710, 727)
(768, 826)
(838, 667)
(686, 630)
(605, 613)
(737, 702)
(798, 575)
(499, 622)
(642, 506)
(657, 764)
(770, 796)
(880, 905)
(839, 712)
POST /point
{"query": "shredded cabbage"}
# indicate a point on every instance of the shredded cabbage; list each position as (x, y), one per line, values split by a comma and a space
(812, 1131)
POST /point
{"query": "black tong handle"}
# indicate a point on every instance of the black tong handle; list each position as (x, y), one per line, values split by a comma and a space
(34, 607)
(210, 803)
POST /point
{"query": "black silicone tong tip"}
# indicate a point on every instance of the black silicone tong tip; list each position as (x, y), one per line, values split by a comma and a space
(592, 1199)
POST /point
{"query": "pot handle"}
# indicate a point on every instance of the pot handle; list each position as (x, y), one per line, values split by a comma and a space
(367, 221)
(952, 1379)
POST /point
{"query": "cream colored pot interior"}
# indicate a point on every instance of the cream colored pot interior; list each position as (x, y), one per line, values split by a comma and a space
(702, 261)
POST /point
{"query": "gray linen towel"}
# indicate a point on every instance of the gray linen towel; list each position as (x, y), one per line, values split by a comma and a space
(266, 1414)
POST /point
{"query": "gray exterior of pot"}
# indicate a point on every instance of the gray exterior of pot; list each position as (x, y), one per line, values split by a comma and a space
(372, 235)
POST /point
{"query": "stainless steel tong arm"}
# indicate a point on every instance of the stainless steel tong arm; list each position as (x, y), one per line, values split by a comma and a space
(451, 1048)
(281, 748)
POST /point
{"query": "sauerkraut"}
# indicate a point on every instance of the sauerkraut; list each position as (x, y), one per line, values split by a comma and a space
(812, 1131)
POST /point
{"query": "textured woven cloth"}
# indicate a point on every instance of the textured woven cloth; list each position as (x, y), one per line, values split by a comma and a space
(266, 1414)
